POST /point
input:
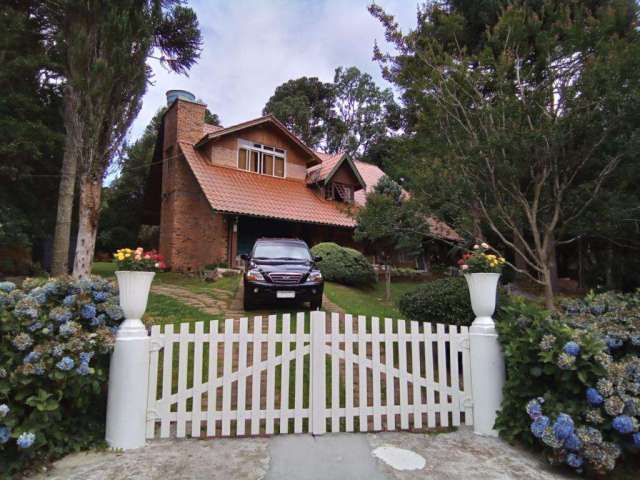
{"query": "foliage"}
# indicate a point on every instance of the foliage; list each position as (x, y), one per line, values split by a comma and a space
(31, 131)
(54, 344)
(138, 260)
(526, 107)
(343, 265)
(441, 301)
(480, 260)
(573, 379)
(304, 106)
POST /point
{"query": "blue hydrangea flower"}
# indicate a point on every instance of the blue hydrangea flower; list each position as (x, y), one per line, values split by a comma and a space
(99, 320)
(38, 294)
(571, 348)
(38, 369)
(85, 357)
(538, 426)
(636, 439)
(613, 343)
(5, 434)
(69, 300)
(7, 287)
(32, 357)
(26, 439)
(574, 460)
(635, 340)
(100, 296)
(35, 326)
(26, 308)
(563, 426)
(60, 314)
(593, 397)
(88, 311)
(57, 350)
(65, 364)
(67, 329)
(623, 424)
(22, 341)
(534, 409)
(573, 443)
(83, 369)
(4, 410)
(114, 312)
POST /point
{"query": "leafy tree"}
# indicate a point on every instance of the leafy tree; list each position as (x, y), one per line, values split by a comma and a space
(304, 106)
(532, 117)
(30, 127)
(390, 222)
(364, 112)
(102, 49)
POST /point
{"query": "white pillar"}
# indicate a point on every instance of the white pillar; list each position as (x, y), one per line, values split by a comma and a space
(318, 375)
(129, 370)
(487, 376)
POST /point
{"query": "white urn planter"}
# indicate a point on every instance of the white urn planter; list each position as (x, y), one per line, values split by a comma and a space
(482, 290)
(134, 292)
(129, 370)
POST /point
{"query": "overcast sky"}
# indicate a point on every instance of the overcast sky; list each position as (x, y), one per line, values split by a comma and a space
(252, 46)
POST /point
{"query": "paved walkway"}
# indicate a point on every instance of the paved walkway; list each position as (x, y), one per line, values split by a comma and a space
(456, 455)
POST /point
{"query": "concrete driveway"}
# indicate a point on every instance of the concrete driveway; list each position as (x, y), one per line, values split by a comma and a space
(353, 456)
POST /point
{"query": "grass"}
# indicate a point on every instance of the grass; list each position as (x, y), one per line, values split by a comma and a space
(164, 310)
(368, 301)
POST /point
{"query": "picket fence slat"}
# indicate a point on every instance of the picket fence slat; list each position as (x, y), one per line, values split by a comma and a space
(383, 372)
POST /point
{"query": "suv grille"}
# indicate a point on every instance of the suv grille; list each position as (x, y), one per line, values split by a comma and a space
(285, 278)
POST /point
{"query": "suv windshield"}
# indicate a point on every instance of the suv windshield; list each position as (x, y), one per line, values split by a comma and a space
(281, 251)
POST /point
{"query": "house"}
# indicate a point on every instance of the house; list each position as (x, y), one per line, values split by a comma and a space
(215, 190)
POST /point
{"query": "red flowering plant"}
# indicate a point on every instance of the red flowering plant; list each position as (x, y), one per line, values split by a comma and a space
(482, 259)
(139, 261)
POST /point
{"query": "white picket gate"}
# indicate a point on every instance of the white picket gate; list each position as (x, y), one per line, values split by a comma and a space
(367, 375)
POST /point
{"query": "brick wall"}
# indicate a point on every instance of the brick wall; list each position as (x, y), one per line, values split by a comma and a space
(191, 233)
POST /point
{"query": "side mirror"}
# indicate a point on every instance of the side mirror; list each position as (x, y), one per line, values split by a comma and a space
(317, 258)
(244, 257)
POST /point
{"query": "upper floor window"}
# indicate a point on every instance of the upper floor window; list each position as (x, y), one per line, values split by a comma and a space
(339, 192)
(258, 158)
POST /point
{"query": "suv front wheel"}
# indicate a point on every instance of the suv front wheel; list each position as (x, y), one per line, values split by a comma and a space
(316, 304)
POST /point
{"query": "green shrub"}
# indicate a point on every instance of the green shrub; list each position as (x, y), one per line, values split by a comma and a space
(441, 301)
(573, 380)
(55, 340)
(343, 265)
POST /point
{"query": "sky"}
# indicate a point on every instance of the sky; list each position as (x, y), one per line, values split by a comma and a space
(252, 46)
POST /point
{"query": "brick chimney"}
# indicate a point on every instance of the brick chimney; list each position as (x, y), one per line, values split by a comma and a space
(184, 118)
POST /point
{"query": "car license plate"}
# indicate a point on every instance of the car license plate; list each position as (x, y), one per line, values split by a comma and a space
(285, 294)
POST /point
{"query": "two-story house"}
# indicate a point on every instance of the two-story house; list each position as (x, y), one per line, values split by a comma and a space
(214, 190)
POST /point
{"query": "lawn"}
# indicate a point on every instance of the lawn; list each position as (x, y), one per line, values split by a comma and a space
(368, 301)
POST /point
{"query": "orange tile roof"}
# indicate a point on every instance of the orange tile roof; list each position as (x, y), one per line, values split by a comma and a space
(245, 193)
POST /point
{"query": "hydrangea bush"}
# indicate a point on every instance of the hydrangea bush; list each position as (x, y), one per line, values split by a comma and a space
(573, 380)
(55, 337)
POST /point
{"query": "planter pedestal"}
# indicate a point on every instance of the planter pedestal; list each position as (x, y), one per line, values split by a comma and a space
(129, 369)
(487, 360)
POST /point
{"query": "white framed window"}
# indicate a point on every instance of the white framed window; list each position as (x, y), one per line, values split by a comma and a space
(262, 159)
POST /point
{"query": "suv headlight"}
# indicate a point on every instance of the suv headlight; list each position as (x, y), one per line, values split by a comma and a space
(315, 277)
(255, 275)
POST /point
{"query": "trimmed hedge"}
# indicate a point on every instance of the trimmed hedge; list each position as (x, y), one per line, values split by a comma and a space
(441, 301)
(343, 265)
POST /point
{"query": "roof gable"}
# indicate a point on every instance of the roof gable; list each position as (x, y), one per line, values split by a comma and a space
(268, 119)
(331, 164)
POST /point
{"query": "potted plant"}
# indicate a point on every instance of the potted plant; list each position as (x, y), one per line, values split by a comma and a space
(136, 269)
(482, 268)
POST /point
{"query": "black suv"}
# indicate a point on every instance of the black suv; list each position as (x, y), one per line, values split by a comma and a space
(280, 269)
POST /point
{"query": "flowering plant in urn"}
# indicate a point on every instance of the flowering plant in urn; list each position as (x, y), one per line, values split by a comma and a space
(481, 260)
(138, 260)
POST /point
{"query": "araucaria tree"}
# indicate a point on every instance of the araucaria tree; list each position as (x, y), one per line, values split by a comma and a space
(102, 49)
(531, 112)
(391, 222)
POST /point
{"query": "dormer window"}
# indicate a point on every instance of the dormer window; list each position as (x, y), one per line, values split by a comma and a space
(339, 192)
(263, 159)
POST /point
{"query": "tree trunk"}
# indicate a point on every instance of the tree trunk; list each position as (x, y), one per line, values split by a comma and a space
(609, 277)
(548, 289)
(553, 265)
(520, 262)
(476, 216)
(66, 190)
(387, 280)
(89, 212)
